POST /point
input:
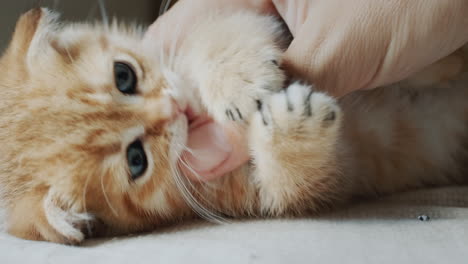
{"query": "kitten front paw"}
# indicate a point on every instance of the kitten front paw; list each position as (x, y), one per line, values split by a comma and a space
(64, 226)
(70, 229)
(49, 219)
(232, 94)
(293, 139)
(299, 110)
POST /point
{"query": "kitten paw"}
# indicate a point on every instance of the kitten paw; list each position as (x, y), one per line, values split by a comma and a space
(50, 219)
(299, 110)
(293, 139)
(67, 225)
(235, 97)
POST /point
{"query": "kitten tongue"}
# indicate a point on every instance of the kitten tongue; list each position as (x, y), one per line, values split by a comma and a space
(215, 151)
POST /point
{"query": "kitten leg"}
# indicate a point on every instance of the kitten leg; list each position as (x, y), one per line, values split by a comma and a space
(47, 221)
(239, 68)
(294, 140)
(232, 91)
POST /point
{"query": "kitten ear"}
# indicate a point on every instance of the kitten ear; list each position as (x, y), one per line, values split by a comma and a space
(33, 34)
(47, 219)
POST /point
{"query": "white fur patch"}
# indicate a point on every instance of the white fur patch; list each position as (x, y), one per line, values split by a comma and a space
(67, 223)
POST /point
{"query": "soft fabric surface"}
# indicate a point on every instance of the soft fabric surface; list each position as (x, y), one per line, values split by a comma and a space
(386, 231)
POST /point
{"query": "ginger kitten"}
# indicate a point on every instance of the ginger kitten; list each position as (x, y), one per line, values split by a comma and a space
(93, 125)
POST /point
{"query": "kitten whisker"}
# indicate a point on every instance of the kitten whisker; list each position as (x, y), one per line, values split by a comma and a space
(85, 209)
(161, 52)
(70, 57)
(186, 188)
(186, 165)
(183, 160)
(172, 49)
(189, 150)
(206, 186)
(196, 206)
(174, 41)
(165, 4)
(105, 18)
(166, 66)
(107, 198)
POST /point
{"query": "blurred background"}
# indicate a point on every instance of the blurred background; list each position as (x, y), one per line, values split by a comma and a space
(140, 11)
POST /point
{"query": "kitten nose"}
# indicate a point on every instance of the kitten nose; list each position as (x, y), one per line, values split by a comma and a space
(163, 109)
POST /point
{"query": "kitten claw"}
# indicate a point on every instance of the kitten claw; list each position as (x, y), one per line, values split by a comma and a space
(259, 105)
(243, 89)
(261, 109)
(288, 101)
(330, 116)
(230, 115)
(299, 107)
(308, 106)
(265, 123)
(239, 114)
(234, 114)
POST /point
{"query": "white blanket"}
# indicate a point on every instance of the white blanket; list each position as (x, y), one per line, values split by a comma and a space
(386, 231)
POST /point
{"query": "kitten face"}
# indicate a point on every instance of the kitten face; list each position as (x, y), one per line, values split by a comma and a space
(91, 128)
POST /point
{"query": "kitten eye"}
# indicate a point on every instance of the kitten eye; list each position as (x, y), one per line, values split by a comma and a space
(136, 159)
(125, 78)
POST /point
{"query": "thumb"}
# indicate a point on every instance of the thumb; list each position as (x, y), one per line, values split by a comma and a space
(307, 58)
(329, 40)
(311, 58)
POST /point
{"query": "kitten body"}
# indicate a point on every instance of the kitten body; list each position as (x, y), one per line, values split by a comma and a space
(65, 129)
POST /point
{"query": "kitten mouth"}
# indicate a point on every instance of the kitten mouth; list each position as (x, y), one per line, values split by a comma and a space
(196, 120)
(190, 114)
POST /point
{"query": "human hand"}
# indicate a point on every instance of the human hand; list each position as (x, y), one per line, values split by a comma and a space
(344, 46)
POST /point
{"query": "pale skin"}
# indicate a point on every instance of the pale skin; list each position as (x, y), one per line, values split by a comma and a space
(339, 46)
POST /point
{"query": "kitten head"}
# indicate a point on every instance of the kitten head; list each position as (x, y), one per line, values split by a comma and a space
(86, 126)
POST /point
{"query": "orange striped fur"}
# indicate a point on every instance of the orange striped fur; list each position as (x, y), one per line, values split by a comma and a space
(65, 128)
